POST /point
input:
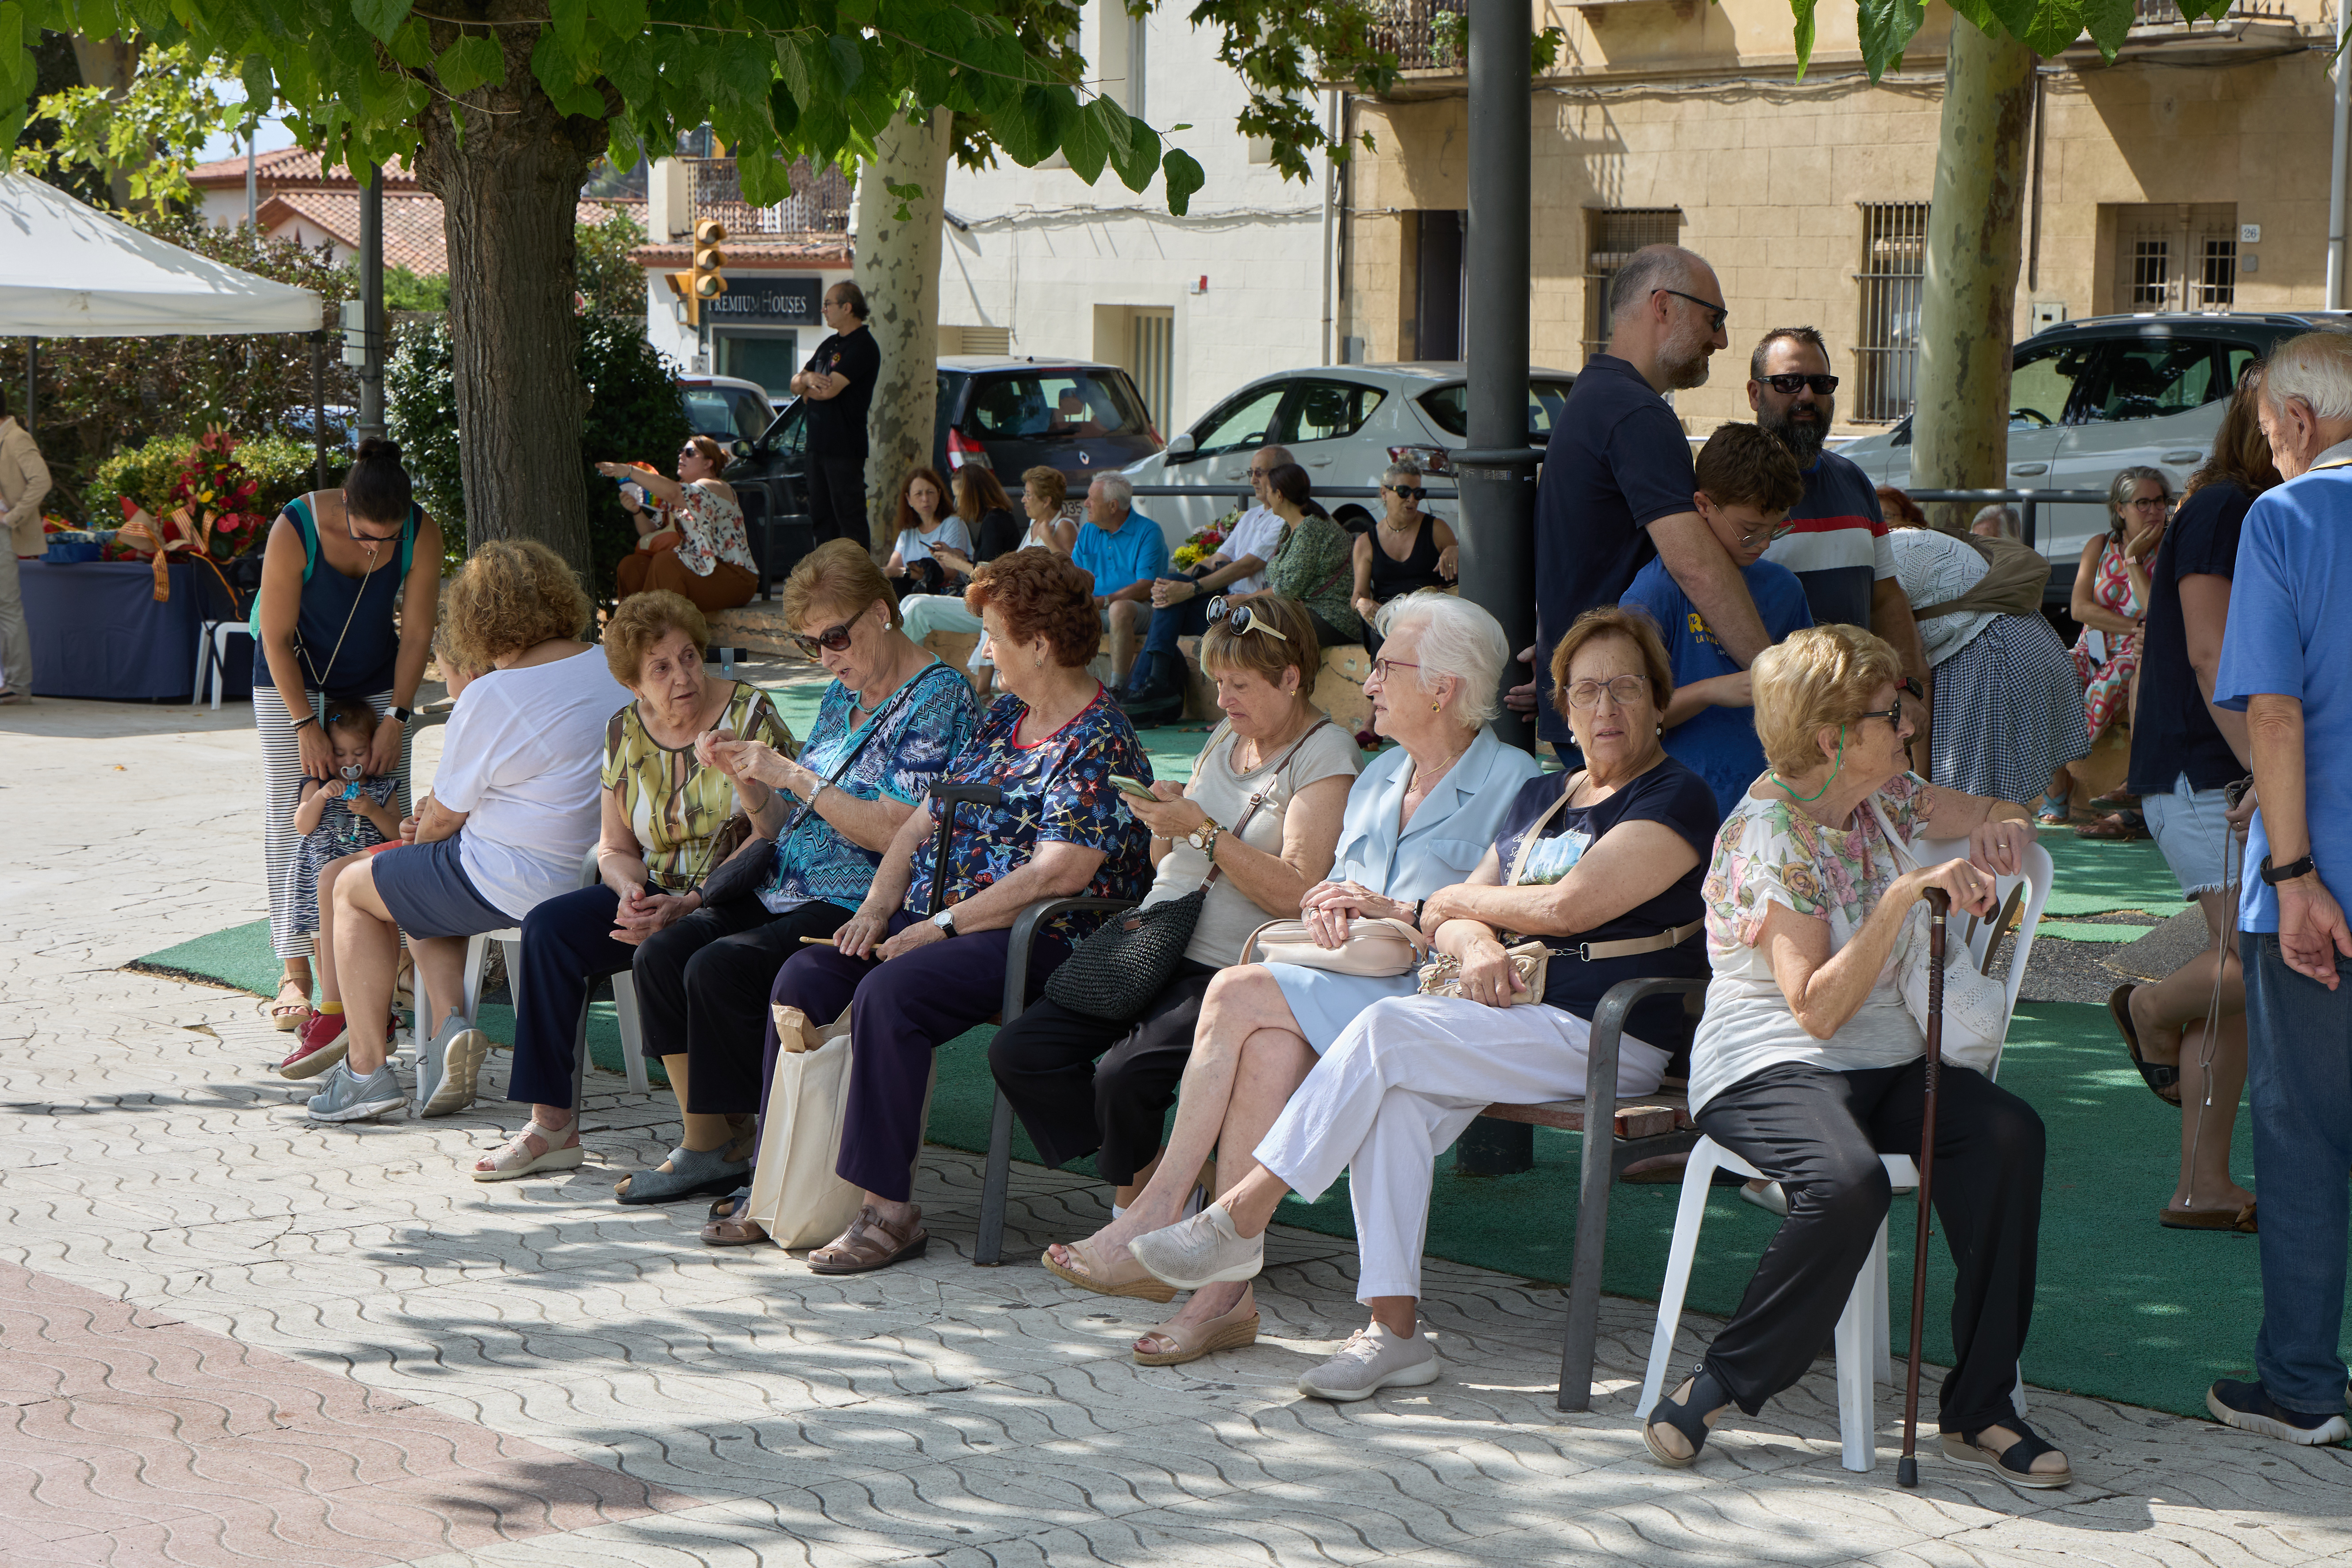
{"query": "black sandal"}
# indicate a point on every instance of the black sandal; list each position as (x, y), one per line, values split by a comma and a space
(2014, 1463)
(1689, 1417)
(2159, 1077)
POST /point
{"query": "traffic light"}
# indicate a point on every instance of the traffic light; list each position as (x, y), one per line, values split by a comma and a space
(704, 281)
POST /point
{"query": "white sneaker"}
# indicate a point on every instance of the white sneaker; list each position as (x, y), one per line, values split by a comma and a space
(1374, 1360)
(1204, 1250)
(461, 1048)
(347, 1097)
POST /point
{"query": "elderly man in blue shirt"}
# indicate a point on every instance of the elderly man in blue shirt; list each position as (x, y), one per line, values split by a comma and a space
(2287, 662)
(1125, 551)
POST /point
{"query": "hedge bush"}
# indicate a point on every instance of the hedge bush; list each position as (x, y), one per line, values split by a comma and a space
(634, 410)
(284, 465)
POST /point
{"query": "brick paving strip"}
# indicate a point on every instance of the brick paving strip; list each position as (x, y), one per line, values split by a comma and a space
(128, 1437)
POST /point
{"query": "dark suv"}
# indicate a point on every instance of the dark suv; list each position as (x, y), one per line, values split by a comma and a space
(1006, 414)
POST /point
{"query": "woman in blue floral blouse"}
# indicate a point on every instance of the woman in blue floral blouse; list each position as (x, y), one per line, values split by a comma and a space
(912, 983)
(886, 725)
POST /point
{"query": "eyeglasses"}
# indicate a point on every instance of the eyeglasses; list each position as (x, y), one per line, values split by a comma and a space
(1624, 691)
(1894, 716)
(1224, 609)
(1410, 492)
(1718, 314)
(1789, 385)
(1763, 533)
(1261, 473)
(833, 640)
(2159, 502)
(1383, 667)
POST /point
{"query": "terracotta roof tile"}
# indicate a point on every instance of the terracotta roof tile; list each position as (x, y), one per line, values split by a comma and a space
(413, 232)
(291, 165)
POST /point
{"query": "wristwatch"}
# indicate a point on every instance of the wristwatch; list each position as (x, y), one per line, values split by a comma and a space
(399, 714)
(2288, 872)
(1204, 837)
(945, 921)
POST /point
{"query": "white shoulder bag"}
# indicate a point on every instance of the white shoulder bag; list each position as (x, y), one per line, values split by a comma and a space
(1976, 1006)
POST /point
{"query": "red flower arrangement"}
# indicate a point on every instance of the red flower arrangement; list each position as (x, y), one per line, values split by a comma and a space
(209, 521)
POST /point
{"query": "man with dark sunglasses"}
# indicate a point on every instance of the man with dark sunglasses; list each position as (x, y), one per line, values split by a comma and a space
(1836, 540)
(1617, 477)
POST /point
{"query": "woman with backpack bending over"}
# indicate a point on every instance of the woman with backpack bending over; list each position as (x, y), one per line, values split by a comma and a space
(342, 569)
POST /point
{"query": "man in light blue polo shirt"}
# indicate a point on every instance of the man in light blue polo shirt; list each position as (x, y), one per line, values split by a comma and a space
(1125, 551)
(2287, 662)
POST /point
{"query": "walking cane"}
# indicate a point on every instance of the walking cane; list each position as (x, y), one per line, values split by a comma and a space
(950, 797)
(1939, 903)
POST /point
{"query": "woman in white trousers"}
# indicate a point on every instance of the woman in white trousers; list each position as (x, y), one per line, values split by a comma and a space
(1603, 866)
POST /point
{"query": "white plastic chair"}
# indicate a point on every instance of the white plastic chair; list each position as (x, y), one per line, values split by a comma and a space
(211, 655)
(1864, 1340)
(477, 964)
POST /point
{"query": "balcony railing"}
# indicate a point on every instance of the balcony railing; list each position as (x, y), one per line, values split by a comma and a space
(818, 207)
(1424, 34)
(2166, 14)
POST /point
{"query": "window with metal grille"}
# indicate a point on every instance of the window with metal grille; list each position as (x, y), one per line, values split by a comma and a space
(2151, 284)
(1613, 235)
(1894, 272)
(2217, 290)
(2175, 256)
(1152, 359)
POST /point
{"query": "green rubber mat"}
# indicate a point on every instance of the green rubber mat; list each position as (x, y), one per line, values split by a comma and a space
(2125, 1309)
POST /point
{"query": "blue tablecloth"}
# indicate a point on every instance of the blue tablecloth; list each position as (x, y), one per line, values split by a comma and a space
(98, 632)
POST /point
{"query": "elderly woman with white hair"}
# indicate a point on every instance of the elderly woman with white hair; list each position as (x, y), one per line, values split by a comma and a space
(1603, 866)
(1419, 819)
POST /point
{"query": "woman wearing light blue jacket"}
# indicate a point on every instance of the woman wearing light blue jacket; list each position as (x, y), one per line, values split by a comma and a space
(1420, 817)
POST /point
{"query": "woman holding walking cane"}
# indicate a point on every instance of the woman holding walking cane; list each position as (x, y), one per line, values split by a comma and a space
(1807, 1064)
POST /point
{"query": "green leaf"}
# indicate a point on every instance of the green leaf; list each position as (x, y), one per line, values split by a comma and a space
(783, 110)
(848, 62)
(1084, 146)
(1114, 125)
(1142, 160)
(1030, 129)
(381, 17)
(568, 19)
(1887, 27)
(1804, 39)
(469, 63)
(2055, 25)
(1185, 177)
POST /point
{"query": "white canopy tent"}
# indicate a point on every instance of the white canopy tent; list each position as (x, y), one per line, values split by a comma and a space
(68, 271)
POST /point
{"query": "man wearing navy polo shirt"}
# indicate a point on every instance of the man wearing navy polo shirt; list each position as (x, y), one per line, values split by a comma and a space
(1836, 542)
(2286, 663)
(1617, 477)
(1125, 551)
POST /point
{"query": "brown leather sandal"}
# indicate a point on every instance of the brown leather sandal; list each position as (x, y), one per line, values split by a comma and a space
(869, 1244)
(733, 1233)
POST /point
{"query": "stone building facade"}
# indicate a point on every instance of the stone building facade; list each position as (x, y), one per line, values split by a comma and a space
(2190, 174)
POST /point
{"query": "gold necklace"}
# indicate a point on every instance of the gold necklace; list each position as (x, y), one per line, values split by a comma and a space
(1421, 785)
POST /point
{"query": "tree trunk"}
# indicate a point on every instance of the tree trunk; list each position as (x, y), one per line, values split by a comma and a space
(1975, 241)
(899, 268)
(509, 190)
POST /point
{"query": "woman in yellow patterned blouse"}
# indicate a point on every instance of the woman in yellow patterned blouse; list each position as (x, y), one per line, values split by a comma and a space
(664, 810)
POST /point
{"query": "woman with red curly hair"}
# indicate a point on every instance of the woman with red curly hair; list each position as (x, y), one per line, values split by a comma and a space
(1051, 745)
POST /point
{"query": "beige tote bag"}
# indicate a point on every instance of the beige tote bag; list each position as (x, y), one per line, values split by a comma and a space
(795, 1196)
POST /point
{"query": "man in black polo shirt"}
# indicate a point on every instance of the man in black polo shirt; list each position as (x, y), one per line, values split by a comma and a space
(1836, 540)
(838, 382)
(1617, 477)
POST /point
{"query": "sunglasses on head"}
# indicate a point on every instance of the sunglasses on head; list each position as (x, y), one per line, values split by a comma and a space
(833, 640)
(1241, 618)
(1410, 492)
(1789, 385)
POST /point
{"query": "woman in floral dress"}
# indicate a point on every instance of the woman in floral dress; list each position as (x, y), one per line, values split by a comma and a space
(691, 540)
(2110, 600)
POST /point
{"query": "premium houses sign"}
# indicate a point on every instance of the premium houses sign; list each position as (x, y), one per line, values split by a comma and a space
(766, 299)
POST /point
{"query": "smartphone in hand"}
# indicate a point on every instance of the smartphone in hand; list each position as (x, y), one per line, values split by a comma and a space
(1135, 787)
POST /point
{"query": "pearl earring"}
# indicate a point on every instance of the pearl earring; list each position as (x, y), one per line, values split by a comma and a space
(1038, 661)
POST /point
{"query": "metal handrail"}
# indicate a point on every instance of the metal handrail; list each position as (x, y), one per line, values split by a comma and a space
(1342, 492)
(2029, 500)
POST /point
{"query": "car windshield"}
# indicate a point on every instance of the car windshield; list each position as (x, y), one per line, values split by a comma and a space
(725, 414)
(1448, 407)
(1054, 405)
(2152, 377)
(2042, 383)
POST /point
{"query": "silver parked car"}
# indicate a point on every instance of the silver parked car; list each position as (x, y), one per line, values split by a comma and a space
(2089, 397)
(1344, 423)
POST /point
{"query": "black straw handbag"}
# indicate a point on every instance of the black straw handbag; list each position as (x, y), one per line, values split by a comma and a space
(1119, 971)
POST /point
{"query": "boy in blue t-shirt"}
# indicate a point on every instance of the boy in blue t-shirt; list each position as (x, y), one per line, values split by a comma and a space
(1747, 483)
